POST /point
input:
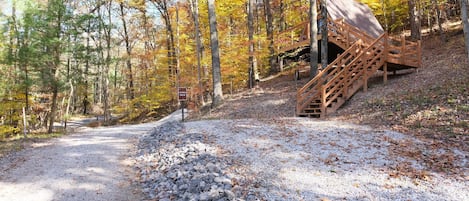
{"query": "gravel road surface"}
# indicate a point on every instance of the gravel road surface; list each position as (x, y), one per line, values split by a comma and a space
(91, 165)
(293, 159)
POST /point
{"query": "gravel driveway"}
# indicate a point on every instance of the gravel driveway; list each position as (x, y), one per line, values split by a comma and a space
(91, 165)
(291, 159)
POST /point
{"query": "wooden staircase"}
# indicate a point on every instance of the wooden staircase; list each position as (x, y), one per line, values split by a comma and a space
(363, 56)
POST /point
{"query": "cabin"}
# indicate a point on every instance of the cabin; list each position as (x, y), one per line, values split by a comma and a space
(358, 47)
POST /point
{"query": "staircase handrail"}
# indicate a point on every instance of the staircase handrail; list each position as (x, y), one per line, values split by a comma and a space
(319, 79)
(345, 71)
(367, 49)
(365, 37)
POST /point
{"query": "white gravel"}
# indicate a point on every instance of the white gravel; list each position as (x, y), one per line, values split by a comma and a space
(305, 159)
(244, 159)
(91, 165)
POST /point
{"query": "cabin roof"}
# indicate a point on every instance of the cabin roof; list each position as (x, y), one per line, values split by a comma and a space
(356, 14)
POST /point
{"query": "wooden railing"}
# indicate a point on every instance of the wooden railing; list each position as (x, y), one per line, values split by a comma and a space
(293, 37)
(346, 74)
(349, 72)
(402, 51)
(312, 89)
(347, 33)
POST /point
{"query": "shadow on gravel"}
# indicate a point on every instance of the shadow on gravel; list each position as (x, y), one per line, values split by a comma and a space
(84, 166)
(314, 160)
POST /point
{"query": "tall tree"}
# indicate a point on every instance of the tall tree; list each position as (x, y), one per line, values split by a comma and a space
(465, 20)
(313, 43)
(128, 48)
(195, 13)
(107, 34)
(270, 36)
(438, 20)
(414, 15)
(55, 16)
(252, 61)
(216, 70)
(324, 39)
(163, 8)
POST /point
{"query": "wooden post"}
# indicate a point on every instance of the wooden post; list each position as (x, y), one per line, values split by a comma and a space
(347, 79)
(365, 83)
(419, 49)
(25, 128)
(292, 36)
(385, 73)
(281, 64)
(182, 110)
(386, 52)
(298, 101)
(323, 101)
(348, 37)
(402, 52)
(365, 76)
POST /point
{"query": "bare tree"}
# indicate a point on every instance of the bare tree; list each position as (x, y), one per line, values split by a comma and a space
(195, 13)
(324, 39)
(105, 84)
(313, 43)
(270, 36)
(128, 48)
(414, 18)
(438, 20)
(465, 20)
(216, 71)
(252, 59)
(163, 8)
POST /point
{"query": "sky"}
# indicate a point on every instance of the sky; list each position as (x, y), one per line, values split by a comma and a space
(5, 7)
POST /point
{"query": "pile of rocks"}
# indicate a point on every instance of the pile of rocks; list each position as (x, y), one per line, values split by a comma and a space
(174, 165)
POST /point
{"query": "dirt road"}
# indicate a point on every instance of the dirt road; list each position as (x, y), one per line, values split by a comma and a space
(92, 165)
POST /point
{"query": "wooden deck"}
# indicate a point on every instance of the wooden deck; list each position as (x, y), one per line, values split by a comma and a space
(363, 56)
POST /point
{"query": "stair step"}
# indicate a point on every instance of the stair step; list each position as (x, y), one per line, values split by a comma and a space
(309, 115)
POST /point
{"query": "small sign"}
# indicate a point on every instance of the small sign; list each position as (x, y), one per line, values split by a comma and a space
(182, 94)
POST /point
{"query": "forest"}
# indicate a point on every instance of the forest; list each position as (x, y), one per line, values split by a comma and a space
(60, 58)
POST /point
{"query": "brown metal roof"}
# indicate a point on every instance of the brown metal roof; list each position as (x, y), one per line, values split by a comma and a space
(356, 14)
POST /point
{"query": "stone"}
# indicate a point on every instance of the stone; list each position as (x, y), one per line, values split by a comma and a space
(204, 196)
(222, 180)
(230, 195)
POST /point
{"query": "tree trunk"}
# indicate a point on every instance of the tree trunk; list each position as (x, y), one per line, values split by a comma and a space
(384, 10)
(465, 21)
(251, 43)
(105, 84)
(282, 22)
(87, 67)
(414, 20)
(162, 7)
(324, 39)
(53, 110)
(178, 46)
(55, 48)
(438, 20)
(216, 71)
(313, 43)
(130, 84)
(270, 36)
(195, 11)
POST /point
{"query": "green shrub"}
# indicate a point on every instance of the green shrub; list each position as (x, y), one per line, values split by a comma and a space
(7, 131)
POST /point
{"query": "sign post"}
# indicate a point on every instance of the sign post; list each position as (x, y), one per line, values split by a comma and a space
(182, 96)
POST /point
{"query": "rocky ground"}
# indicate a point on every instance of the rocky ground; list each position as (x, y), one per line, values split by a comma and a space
(289, 159)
